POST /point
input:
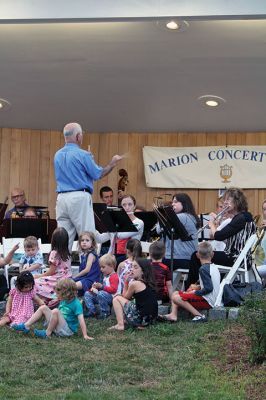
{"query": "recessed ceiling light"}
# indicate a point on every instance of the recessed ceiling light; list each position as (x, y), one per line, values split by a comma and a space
(173, 25)
(211, 101)
(4, 104)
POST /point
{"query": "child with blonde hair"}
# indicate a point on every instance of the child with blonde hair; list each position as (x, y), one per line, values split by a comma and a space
(32, 259)
(20, 303)
(64, 320)
(198, 297)
(99, 299)
(89, 269)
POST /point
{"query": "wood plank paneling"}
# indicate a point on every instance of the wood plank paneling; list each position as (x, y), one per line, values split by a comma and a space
(26, 160)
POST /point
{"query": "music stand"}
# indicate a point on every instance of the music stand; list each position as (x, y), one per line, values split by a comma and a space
(112, 219)
(98, 209)
(173, 228)
(149, 218)
(23, 227)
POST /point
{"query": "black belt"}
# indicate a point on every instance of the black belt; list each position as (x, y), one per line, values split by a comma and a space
(77, 190)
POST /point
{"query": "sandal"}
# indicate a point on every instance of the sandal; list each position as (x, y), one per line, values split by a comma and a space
(163, 318)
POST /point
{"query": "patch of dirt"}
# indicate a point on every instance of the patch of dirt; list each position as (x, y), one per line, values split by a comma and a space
(236, 358)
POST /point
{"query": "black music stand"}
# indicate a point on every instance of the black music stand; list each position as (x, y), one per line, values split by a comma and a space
(173, 228)
(98, 209)
(23, 227)
(112, 219)
(149, 218)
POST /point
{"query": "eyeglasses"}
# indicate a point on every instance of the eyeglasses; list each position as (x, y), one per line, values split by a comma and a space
(17, 196)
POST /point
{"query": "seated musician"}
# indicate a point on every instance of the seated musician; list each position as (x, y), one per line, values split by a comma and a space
(236, 233)
(128, 202)
(19, 200)
(183, 250)
(30, 212)
(107, 195)
(221, 218)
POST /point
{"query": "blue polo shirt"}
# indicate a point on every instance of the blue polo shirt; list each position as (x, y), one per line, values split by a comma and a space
(75, 169)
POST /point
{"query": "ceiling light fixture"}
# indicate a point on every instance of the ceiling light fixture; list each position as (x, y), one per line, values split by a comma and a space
(211, 101)
(173, 25)
(4, 104)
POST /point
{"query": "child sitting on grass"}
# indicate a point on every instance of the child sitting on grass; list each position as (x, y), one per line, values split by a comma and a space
(101, 294)
(21, 299)
(161, 272)
(144, 310)
(198, 297)
(62, 321)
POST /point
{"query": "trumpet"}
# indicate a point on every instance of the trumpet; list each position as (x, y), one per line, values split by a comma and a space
(215, 219)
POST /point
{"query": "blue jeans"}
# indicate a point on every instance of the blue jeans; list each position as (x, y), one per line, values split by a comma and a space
(98, 304)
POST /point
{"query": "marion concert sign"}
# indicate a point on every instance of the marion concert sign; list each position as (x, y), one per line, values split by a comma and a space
(205, 167)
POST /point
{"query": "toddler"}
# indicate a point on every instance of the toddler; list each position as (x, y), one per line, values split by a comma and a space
(198, 297)
(20, 303)
(161, 272)
(32, 260)
(101, 294)
(89, 270)
(62, 321)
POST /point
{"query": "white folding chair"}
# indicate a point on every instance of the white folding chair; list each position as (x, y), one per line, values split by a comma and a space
(45, 248)
(75, 268)
(8, 244)
(179, 277)
(145, 246)
(240, 267)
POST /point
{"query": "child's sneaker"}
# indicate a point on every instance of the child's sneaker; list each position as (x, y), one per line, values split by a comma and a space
(199, 318)
(20, 328)
(40, 333)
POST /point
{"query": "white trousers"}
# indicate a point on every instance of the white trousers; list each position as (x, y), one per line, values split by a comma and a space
(74, 212)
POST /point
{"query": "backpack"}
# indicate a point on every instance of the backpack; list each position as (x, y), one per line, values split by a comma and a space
(234, 293)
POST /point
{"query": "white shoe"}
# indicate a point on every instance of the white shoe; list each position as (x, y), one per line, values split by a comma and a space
(199, 318)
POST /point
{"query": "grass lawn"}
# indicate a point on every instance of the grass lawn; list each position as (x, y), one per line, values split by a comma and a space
(165, 361)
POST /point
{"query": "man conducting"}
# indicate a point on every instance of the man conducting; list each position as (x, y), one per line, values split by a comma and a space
(75, 171)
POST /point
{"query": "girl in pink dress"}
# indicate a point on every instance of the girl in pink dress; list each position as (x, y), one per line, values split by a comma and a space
(20, 303)
(59, 266)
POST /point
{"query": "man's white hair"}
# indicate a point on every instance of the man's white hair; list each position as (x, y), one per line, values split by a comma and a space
(71, 129)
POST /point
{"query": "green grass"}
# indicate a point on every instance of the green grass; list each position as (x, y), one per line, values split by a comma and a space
(162, 362)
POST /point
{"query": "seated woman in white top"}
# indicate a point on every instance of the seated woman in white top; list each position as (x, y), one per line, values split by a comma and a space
(128, 202)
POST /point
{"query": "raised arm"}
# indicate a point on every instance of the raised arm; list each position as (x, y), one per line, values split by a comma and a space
(108, 168)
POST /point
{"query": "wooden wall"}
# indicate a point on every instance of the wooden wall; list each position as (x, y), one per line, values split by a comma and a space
(26, 160)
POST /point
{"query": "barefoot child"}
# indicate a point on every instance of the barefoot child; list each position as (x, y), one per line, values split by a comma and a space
(198, 297)
(62, 321)
(144, 310)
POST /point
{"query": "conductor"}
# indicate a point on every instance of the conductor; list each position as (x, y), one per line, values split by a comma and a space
(75, 171)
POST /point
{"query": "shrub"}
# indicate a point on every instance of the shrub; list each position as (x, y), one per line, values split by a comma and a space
(253, 317)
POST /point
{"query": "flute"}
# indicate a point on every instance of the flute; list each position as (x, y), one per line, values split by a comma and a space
(217, 216)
